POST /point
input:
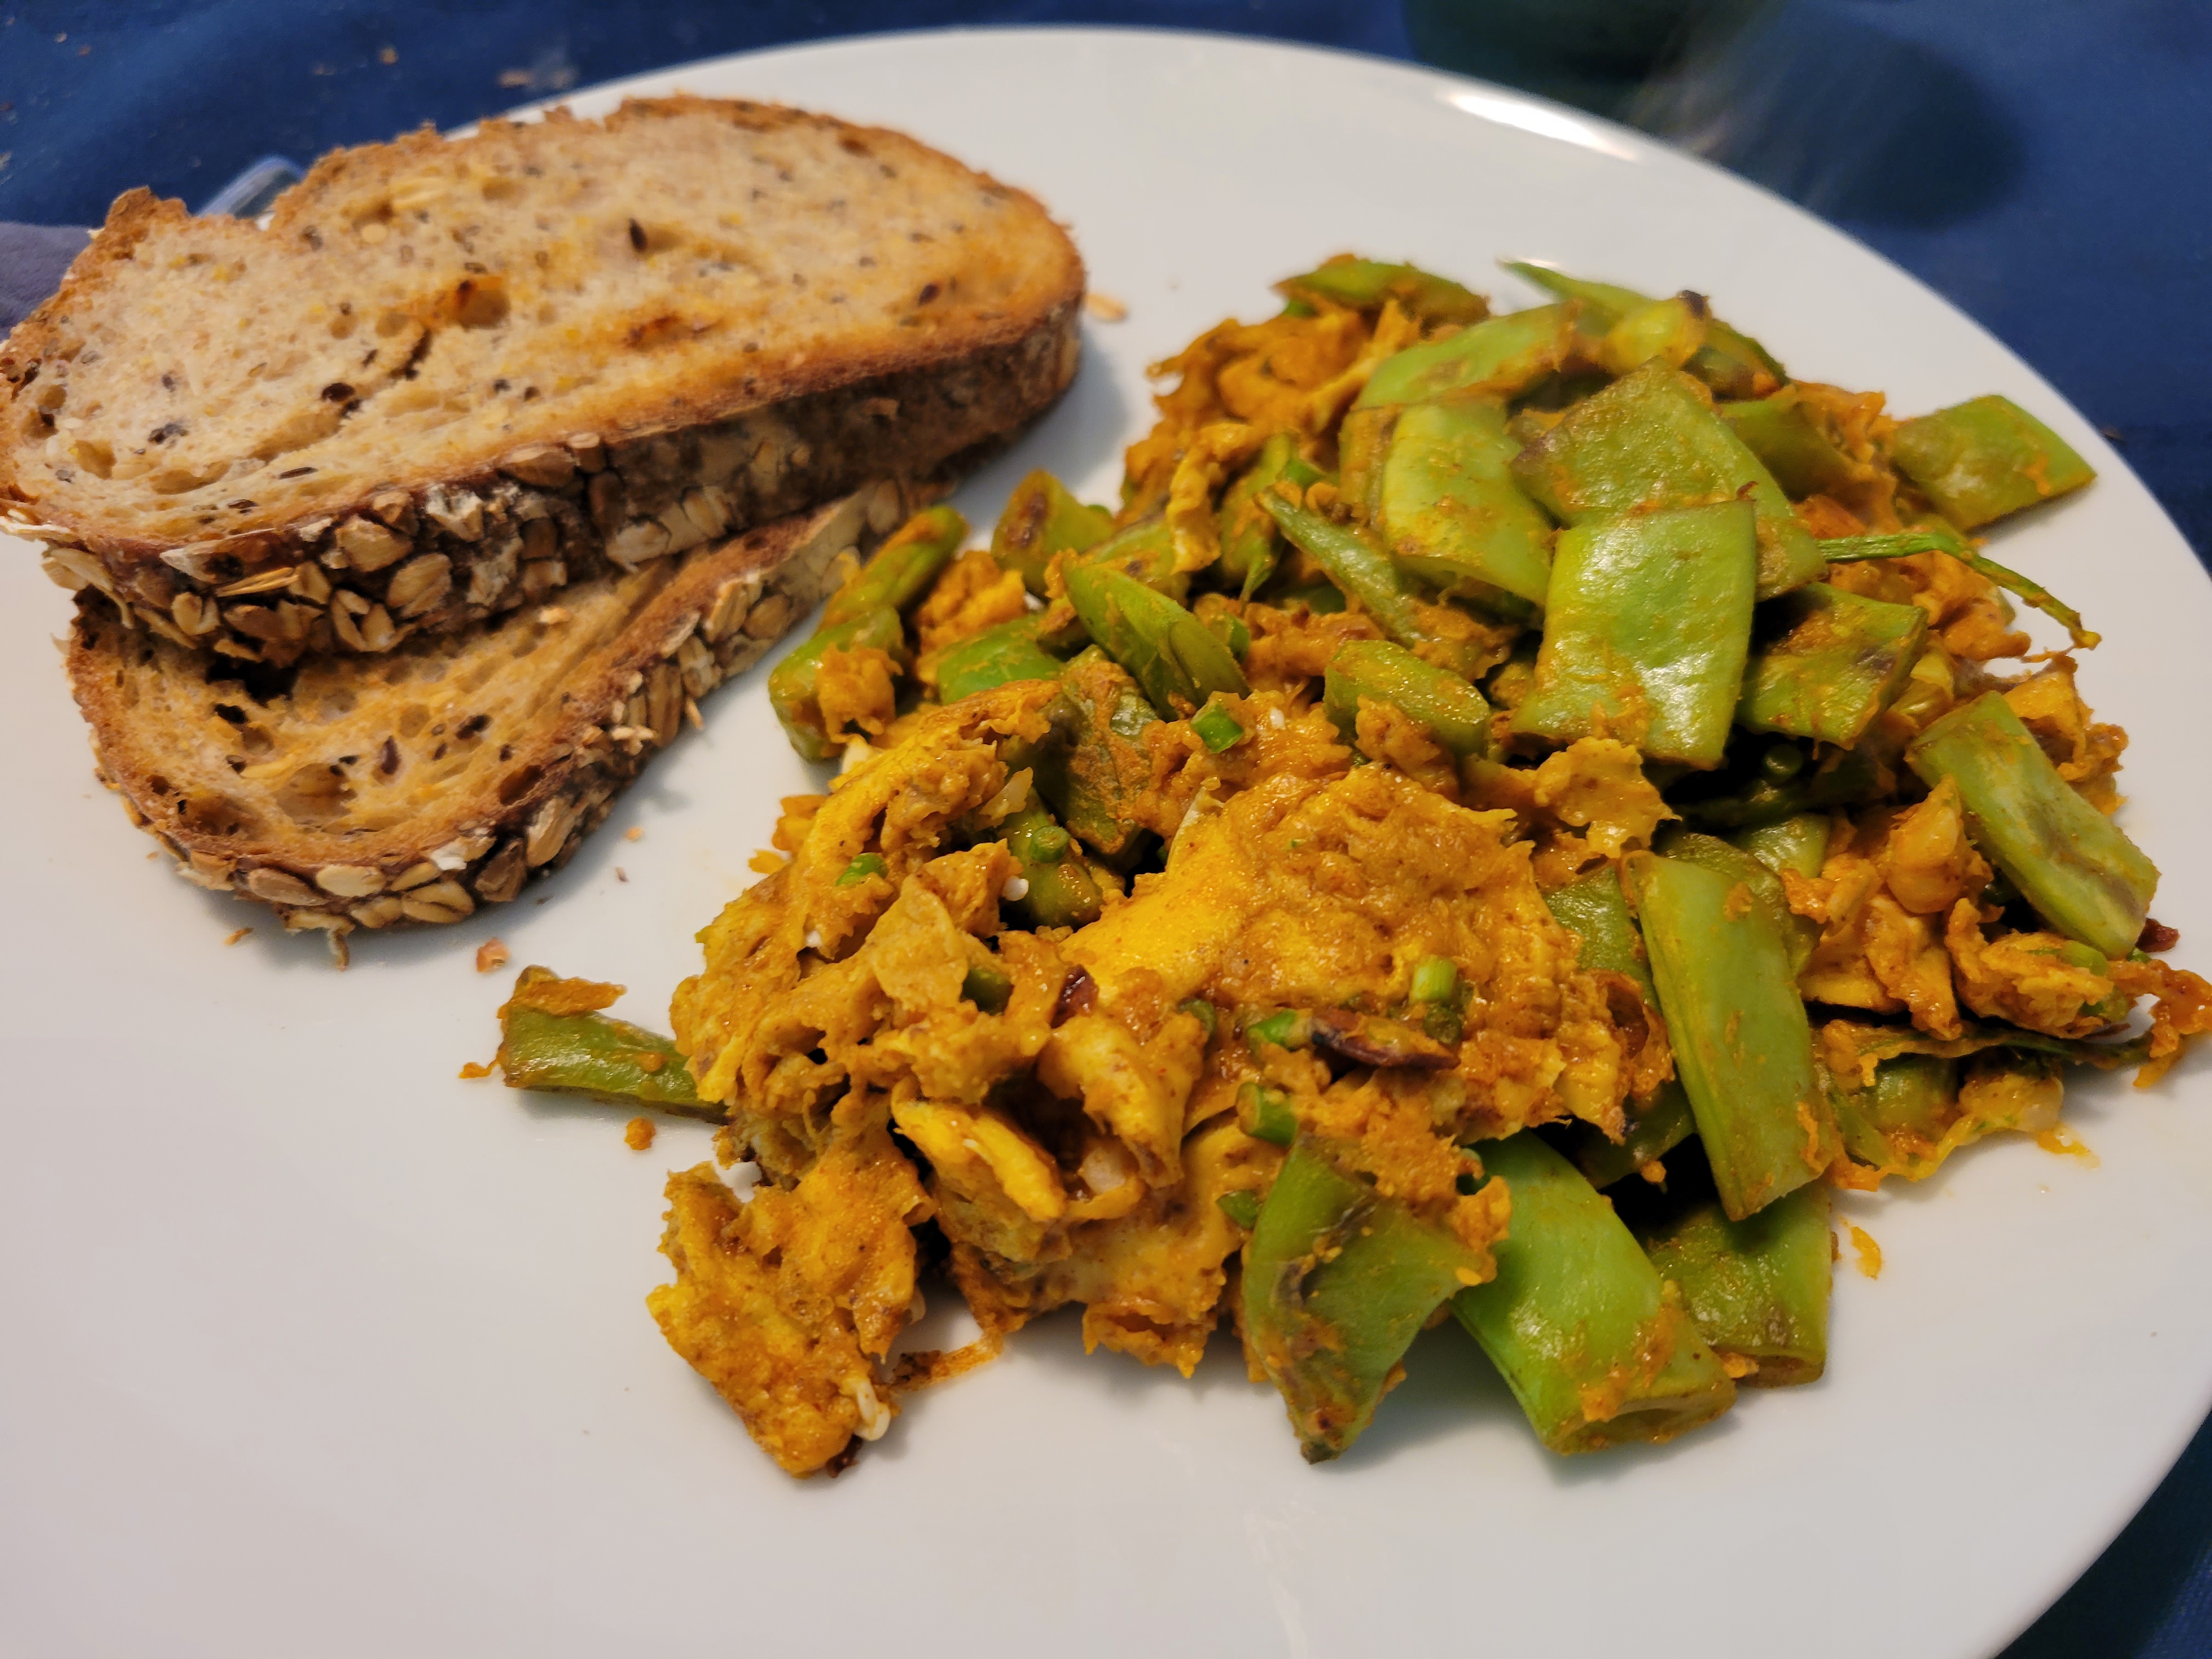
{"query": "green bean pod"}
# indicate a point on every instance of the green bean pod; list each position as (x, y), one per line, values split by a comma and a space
(596, 1056)
(1798, 844)
(1986, 458)
(1337, 1282)
(1365, 573)
(1095, 779)
(1177, 660)
(1365, 285)
(1790, 444)
(1451, 513)
(1757, 1289)
(1824, 661)
(902, 569)
(1652, 438)
(791, 684)
(1363, 442)
(1502, 357)
(1596, 1347)
(1060, 892)
(1248, 534)
(2072, 863)
(1646, 625)
(1743, 1049)
(997, 656)
(1593, 909)
(1042, 518)
(1449, 709)
(1726, 359)
(1942, 539)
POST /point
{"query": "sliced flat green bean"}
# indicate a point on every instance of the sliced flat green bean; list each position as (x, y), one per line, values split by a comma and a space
(1646, 625)
(1363, 442)
(1652, 438)
(1366, 574)
(1365, 285)
(1728, 361)
(1825, 662)
(1986, 458)
(1726, 859)
(1060, 892)
(2072, 863)
(997, 656)
(1799, 844)
(1596, 1346)
(902, 569)
(1758, 1289)
(1595, 909)
(1742, 1046)
(1042, 518)
(1173, 655)
(1451, 511)
(1671, 330)
(791, 684)
(1503, 358)
(1789, 443)
(1248, 534)
(1095, 779)
(1436, 699)
(1338, 1280)
(593, 1055)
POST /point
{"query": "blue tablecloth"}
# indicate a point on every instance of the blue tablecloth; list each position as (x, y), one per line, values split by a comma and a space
(2048, 167)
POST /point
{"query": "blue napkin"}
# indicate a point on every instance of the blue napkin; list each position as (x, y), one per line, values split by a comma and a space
(32, 260)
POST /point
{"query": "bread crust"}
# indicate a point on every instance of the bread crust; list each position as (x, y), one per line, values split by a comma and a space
(442, 546)
(715, 612)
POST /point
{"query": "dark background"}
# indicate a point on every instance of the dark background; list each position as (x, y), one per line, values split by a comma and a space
(2046, 166)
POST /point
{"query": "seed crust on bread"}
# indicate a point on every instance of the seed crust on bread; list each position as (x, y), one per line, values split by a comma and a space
(453, 376)
(450, 771)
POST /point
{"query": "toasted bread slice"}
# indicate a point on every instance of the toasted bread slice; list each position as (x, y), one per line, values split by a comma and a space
(454, 374)
(446, 773)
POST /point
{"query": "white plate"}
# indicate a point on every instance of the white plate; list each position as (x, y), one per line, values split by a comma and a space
(310, 1348)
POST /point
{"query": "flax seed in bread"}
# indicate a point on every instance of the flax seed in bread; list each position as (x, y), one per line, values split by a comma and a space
(453, 375)
(444, 774)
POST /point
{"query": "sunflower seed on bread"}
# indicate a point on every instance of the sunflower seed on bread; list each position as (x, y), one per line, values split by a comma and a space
(444, 774)
(453, 376)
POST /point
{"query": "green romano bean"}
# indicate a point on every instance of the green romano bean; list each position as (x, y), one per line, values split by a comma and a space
(1248, 534)
(1265, 1114)
(1742, 1046)
(1596, 1347)
(1671, 330)
(1217, 728)
(1728, 361)
(1905, 1112)
(1942, 539)
(1365, 285)
(1724, 857)
(1446, 705)
(1365, 573)
(1595, 909)
(1452, 514)
(1144, 553)
(2083, 875)
(1825, 662)
(1337, 1282)
(1757, 1289)
(997, 656)
(1095, 779)
(1174, 656)
(1986, 458)
(1652, 439)
(1798, 844)
(1503, 358)
(1042, 518)
(1790, 444)
(1060, 892)
(791, 684)
(1363, 442)
(903, 568)
(593, 1055)
(1647, 626)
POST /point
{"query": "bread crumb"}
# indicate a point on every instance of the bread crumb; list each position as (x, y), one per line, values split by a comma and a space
(474, 1070)
(387, 55)
(552, 615)
(491, 956)
(1104, 306)
(237, 934)
(1870, 1251)
(638, 1133)
(621, 874)
(635, 832)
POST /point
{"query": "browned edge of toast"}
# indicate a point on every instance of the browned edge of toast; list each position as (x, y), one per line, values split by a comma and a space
(713, 620)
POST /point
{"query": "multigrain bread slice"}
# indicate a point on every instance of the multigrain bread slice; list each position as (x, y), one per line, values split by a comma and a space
(454, 374)
(445, 774)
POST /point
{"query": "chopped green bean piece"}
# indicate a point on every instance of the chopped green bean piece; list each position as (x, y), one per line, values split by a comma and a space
(1742, 1046)
(1201, 1010)
(1825, 662)
(1758, 1289)
(1671, 330)
(1450, 710)
(902, 569)
(791, 684)
(1451, 513)
(591, 1054)
(1503, 357)
(861, 868)
(1435, 979)
(1652, 439)
(1646, 629)
(1363, 442)
(1790, 445)
(1217, 728)
(1060, 892)
(1798, 844)
(1041, 518)
(997, 656)
(1728, 361)
(1172, 654)
(990, 988)
(1095, 779)
(2072, 863)
(1365, 285)
(1248, 534)
(1986, 458)
(1365, 573)
(1286, 1028)
(1596, 1347)
(1338, 1280)
(1723, 857)
(1242, 1208)
(1265, 1114)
